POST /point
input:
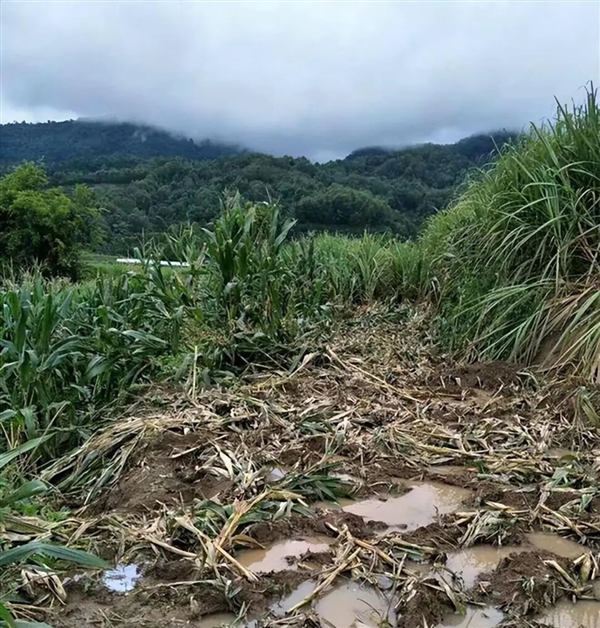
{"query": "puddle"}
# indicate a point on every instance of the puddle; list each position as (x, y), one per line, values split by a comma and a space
(351, 603)
(275, 475)
(216, 621)
(122, 578)
(555, 544)
(275, 557)
(283, 606)
(568, 615)
(474, 618)
(419, 507)
(469, 563)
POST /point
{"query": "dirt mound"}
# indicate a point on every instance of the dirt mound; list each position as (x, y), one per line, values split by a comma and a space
(325, 523)
(161, 475)
(489, 376)
(523, 584)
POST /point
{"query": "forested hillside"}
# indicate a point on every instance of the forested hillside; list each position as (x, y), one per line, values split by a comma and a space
(80, 141)
(146, 180)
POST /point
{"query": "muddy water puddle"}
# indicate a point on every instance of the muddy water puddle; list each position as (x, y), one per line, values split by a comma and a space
(283, 606)
(555, 544)
(216, 621)
(352, 603)
(275, 558)
(419, 507)
(474, 618)
(584, 614)
(470, 563)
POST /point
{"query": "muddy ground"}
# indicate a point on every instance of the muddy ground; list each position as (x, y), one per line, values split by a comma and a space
(375, 483)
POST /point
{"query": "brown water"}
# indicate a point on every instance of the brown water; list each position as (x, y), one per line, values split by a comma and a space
(275, 558)
(569, 615)
(351, 603)
(472, 562)
(283, 606)
(555, 544)
(474, 618)
(419, 507)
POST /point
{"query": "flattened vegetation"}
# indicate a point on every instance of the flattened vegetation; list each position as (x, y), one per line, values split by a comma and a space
(283, 498)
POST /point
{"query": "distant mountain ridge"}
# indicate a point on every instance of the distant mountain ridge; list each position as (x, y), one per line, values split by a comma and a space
(73, 140)
(146, 180)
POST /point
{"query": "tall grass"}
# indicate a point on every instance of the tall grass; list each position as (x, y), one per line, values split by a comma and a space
(517, 258)
(360, 270)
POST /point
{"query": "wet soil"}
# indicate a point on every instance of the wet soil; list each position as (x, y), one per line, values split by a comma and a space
(523, 584)
(445, 462)
(159, 476)
(490, 376)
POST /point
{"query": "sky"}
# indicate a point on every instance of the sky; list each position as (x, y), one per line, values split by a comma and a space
(300, 78)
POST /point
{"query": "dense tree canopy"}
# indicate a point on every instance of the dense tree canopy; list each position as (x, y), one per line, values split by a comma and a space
(79, 140)
(43, 225)
(373, 188)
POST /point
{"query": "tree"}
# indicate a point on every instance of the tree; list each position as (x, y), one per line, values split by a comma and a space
(43, 225)
(344, 208)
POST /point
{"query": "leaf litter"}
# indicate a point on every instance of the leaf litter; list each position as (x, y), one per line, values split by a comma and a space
(185, 486)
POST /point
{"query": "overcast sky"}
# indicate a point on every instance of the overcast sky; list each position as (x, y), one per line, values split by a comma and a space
(313, 78)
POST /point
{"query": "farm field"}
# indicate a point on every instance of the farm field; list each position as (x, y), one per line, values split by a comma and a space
(316, 431)
(374, 483)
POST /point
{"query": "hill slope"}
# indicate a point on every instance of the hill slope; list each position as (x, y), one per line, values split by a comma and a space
(147, 180)
(59, 142)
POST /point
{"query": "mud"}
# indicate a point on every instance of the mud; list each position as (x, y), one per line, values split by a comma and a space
(484, 375)
(156, 477)
(88, 605)
(437, 535)
(505, 585)
(298, 527)
(427, 607)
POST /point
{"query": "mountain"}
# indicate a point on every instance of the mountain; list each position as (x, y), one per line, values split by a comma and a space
(146, 180)
(82, 140)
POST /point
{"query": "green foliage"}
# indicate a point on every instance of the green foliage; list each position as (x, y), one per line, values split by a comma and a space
(37, 552)
(267, 292)
(66, 350)
(378, 190)
(79, 141)
(344, 208)
(41, 225)
(517, 257)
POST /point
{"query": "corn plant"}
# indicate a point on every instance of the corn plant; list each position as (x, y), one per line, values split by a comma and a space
(38, 552)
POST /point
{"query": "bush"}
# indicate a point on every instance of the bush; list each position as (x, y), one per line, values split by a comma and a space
(44, 226)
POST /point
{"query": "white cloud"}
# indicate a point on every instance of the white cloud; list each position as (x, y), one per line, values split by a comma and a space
(301, 77)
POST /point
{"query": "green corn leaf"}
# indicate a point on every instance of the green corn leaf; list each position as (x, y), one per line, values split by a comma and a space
(56, 552)
(9, 456)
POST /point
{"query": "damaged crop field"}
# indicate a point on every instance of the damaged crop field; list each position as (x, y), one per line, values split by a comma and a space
(325, 432)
